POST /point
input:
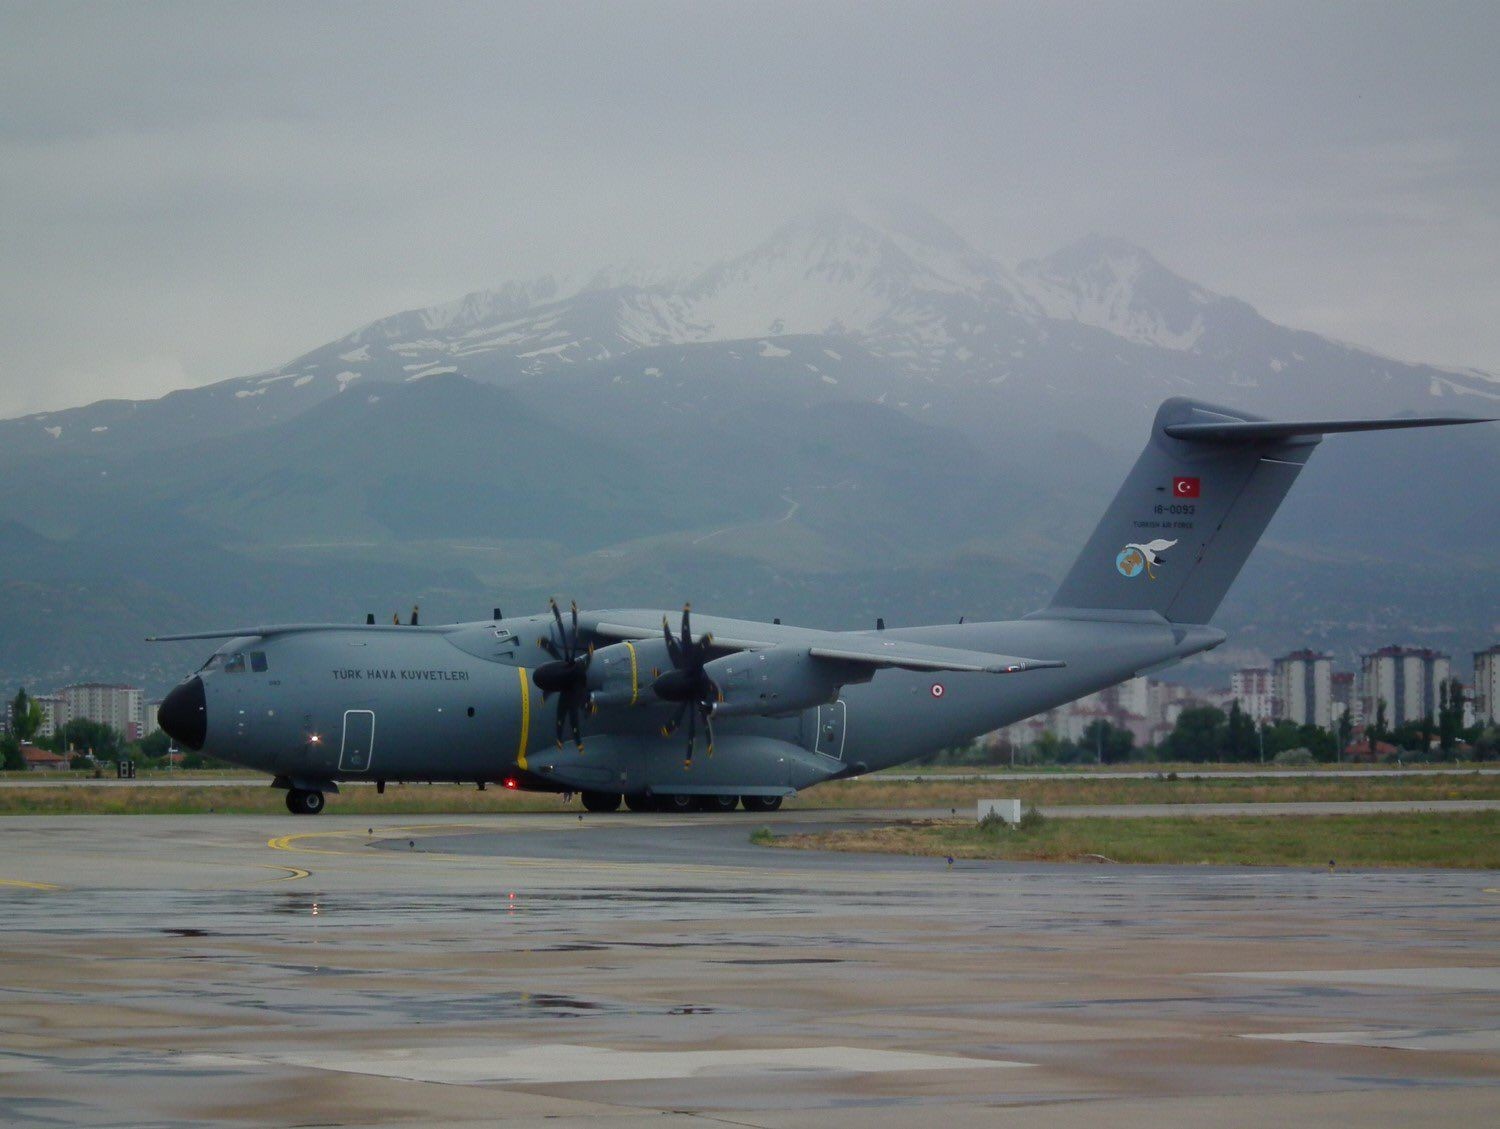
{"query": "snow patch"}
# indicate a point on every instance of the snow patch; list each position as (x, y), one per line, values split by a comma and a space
(97, 430)
(301, 381)
(769, 350)
(653, 371)
(345, 378)
(355, 356)
(246, 393)
(829, 379)
(1461, 389)
(55, 432)
(831, 353)
(433, 370)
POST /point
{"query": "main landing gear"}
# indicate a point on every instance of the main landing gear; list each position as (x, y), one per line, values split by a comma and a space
(303, 802)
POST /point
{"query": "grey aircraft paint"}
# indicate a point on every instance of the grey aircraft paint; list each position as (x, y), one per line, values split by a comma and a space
(780, 708)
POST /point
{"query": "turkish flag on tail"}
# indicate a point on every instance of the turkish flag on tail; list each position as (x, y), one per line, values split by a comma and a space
(1184, 487)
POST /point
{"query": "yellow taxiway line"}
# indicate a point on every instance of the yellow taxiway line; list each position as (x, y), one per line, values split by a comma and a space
(292, 872)
(17, 883)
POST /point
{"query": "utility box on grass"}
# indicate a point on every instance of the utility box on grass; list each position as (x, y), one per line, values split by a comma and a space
(1008, 810)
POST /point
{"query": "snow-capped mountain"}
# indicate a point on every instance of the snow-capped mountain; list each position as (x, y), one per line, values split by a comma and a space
(1099, 326)
(860, 414)
(1117, 287)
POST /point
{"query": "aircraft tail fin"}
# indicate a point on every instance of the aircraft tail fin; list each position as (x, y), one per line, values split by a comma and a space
(1193, 507)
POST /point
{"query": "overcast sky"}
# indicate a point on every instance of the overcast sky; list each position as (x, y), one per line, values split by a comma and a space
(198, 191)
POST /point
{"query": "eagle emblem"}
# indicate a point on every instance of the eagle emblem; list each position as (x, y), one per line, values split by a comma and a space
(1136, 558)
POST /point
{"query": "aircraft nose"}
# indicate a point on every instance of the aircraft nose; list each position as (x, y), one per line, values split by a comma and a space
(183, 714)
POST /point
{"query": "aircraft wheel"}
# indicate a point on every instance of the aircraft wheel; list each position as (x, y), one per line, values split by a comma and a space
(719, 803)
(299, 802)
(601, 801)
(675, 803)
(761, 803)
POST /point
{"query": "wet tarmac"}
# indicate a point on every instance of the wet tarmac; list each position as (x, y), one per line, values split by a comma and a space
(529, 970)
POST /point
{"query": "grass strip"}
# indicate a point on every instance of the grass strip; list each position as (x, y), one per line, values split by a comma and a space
(1426, 839)
(873, 792)
(261, 799)
(255, 796)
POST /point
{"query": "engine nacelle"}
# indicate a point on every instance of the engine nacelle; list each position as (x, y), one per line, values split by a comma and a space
(779, 680)
(621, 674)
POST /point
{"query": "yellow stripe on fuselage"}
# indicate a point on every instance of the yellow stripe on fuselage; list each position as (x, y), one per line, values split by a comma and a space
(525, 717)
(635, 678)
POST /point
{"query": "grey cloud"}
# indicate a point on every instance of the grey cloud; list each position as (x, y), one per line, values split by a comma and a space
(193, 191)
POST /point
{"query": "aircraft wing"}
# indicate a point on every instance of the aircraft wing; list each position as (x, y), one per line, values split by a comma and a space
(920, 656)
(295, 629)
(851, 647)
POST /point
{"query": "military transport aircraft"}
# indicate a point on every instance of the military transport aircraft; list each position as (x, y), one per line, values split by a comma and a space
(711, 712)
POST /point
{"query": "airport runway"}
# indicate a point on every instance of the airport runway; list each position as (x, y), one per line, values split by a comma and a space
(623, 970)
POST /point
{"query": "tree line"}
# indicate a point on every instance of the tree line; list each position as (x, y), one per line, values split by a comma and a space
(78, 738)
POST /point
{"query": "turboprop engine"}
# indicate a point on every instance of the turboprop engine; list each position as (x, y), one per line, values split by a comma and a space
(778, 680)
(622, 673)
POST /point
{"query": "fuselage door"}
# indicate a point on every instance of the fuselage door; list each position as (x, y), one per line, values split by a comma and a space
(359, 741)
(830, 737)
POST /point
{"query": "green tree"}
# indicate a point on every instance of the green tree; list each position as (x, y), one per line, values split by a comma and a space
(1239, 735)
(1450, 713)
(26, 716)
(1111, 743)
(10, 754)
(82, 735)
(1378, 730)
(1316, 740)
(1411, 735)
(154, 744)
(1281, 736)
(1198, 735)
(1345, 732)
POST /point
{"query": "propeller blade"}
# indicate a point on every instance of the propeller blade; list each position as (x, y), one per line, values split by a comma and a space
(708, 730)
(673, 651)
(561, 709)
(573, 644)
(692, 737)
(577, 729)
(550, 647)
(671, 727)
(687, 629)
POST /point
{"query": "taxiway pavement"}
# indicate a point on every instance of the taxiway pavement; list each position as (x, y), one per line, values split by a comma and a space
(610, 971)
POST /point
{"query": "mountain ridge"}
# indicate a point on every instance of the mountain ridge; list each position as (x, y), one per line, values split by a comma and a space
(861, 415)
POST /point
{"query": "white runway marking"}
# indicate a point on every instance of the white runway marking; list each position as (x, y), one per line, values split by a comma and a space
(1405, 1040)
(562, 1062)
(1439, 979)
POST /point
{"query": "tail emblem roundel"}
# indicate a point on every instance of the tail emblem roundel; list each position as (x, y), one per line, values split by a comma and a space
(1135, 559)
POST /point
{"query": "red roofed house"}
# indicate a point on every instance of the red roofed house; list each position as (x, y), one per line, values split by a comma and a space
(43, 760)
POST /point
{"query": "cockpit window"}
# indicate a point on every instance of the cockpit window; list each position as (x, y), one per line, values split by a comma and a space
(258, 661)
(234, 664)
(213, 663)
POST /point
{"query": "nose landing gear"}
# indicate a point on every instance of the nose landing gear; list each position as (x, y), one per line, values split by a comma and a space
(301, 801)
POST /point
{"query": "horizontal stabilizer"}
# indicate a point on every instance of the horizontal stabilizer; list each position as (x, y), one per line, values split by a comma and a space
(1247, 431)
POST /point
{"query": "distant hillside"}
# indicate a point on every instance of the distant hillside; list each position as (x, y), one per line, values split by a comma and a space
(863, 416)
